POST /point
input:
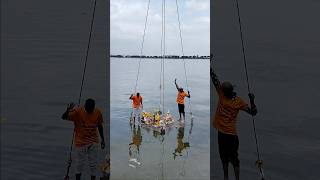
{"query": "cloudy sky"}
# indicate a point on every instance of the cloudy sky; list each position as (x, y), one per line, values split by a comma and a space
(127, 23)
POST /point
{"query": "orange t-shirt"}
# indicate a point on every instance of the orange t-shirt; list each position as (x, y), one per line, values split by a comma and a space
(86, 125)
(136, 101)
(226, 114)
(181, 96)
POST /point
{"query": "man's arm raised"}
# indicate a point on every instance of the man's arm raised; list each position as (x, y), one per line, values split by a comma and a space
(214, 79)
(65, 115)
(175, 82)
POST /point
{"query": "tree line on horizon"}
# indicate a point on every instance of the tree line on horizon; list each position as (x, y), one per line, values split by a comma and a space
(160, 57)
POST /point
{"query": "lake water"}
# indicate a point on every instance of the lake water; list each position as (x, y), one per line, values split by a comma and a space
(156, 152)
(282, 41)
(42, 52)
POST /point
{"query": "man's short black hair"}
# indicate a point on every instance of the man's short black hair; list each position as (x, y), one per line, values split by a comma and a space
(89, 105)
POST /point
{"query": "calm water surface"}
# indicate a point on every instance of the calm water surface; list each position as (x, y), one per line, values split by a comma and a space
(168, 156)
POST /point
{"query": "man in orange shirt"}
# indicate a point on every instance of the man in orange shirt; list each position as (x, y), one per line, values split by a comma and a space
(136, 105)
(229, 105)
(87, 123)
(180, 99)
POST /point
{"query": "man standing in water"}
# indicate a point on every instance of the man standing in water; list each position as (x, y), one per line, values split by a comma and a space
(87, 122)
(136, 105)
(225, 119)
(180, 99)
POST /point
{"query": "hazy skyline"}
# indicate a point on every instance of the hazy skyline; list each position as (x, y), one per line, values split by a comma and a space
(127, 23)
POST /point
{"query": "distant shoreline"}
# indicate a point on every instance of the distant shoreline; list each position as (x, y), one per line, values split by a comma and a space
(160, 57)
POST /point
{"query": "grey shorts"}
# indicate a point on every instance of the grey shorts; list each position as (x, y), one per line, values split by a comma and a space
(87, 153)
(136, 112)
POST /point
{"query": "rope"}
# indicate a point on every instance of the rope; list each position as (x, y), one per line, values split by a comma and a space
(186, 80)
(160, 105)
(259, 161)
(81, 87)
(182, 51)
(142, 45)
(163, 174)
(161, 63)
(164, 53)
(162, 73)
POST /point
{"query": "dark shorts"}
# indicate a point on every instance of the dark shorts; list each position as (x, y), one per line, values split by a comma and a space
(228, 148)
(181, 108)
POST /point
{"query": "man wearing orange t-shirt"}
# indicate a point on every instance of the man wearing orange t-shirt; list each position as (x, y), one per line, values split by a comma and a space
(225, 119)
(87, 123)
(180, 99)
(136, 105)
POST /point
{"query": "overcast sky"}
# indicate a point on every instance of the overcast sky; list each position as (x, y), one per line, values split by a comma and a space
(127, 23)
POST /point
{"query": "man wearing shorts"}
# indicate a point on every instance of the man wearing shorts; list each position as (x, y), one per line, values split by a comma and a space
(136, 105)
(87, 123)
(229, 105)
(180, 99)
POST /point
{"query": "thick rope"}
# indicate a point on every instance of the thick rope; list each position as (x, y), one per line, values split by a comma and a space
(162, 73)
(160, 85)
(259, 161)
(163, 174)
(142, 45)
(81, 87)
(161, 63)
(164, 54)
(186, 80)
(182, 51)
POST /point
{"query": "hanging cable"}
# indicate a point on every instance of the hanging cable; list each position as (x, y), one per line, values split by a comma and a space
(259, 162)
(81, 87)
(182, 51)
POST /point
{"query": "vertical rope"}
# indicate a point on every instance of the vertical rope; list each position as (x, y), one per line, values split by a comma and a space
(186, 78)
(162, 159)
(182, 51)
(81, 87)
(162, 73)
(248, 86)
(161, 54)
(142, 45)
(164, 53)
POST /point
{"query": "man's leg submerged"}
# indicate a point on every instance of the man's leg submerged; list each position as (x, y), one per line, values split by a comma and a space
(224, 153)
(93, 160)
(234, 157)
(237, 172)
(236, 165)
(225, 166)
(183, 113)
(80, 159)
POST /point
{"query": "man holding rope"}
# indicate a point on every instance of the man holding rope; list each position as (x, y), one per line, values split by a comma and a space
(87, 123)
(180, 99)
(229, 105)
(137, 105)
